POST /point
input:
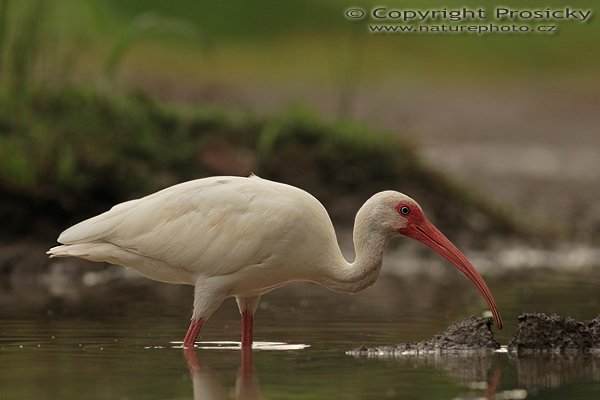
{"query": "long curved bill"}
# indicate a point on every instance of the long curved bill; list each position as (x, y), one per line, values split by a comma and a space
(428, 234)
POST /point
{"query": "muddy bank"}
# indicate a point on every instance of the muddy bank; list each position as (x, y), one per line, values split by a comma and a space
(537, 332)
(540, 332)
(561, 351)
(473, 334)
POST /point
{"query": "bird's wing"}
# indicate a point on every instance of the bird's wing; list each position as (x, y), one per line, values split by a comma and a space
(214, 225)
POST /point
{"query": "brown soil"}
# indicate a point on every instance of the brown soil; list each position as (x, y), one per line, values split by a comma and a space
(540, 332)
(473, 333)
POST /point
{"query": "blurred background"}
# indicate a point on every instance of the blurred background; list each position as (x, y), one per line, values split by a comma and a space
(101, 101)
(106, 100)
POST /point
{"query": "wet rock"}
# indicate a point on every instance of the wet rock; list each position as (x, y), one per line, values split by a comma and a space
(471, 334)
(540, 332)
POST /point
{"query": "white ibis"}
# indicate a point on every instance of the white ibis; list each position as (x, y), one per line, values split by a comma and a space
(243, 237)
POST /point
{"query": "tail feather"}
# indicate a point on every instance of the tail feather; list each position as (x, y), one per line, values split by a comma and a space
(107, 252)
(58, 251)
(89, 251)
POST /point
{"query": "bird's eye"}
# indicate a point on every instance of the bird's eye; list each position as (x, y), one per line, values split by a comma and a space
(405, 210)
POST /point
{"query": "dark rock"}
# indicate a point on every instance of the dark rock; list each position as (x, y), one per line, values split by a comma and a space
(594, 326)
(540, 332)
(473, 333)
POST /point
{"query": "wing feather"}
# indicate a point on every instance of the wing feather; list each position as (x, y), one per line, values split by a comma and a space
(214, 225)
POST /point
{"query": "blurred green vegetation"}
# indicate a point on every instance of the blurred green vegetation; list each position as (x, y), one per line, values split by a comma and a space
(192, 42)
(68, 152)
(73, 138)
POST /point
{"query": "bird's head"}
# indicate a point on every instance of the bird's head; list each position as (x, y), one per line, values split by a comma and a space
(401, 215)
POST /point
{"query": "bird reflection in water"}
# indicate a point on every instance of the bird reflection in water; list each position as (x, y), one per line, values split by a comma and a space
(207, 387)
(481, 374)
(488, 389)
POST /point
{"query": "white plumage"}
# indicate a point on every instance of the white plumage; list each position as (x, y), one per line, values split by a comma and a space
(236, 236)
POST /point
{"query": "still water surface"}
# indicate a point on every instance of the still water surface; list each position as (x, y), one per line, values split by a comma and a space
(117, 341)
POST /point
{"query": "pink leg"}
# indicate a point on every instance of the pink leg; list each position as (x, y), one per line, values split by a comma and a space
(192, 334)
(247, 328)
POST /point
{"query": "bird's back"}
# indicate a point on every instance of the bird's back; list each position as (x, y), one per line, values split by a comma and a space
(211, 226)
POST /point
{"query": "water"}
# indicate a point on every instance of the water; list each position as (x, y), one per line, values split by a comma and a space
(117, 340)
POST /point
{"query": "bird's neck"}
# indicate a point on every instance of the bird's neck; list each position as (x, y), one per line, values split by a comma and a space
(370, 242)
